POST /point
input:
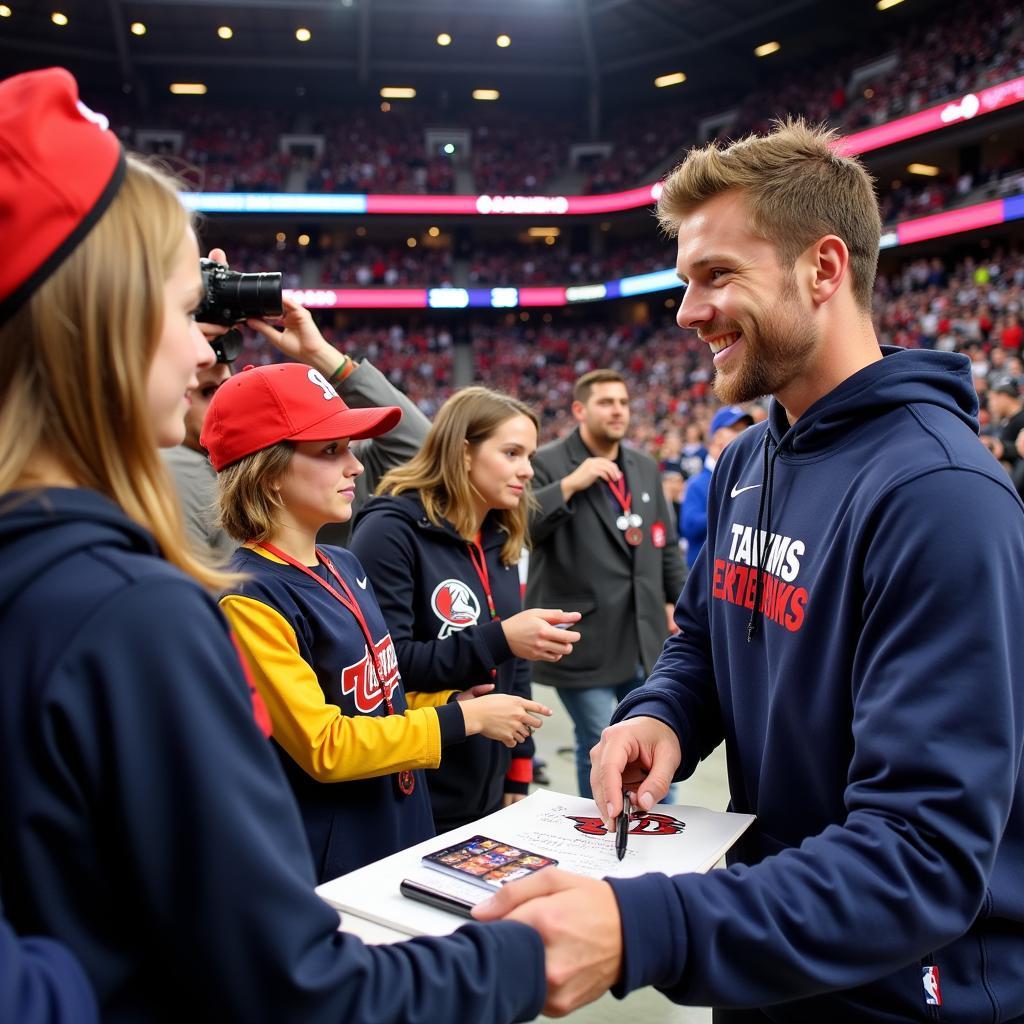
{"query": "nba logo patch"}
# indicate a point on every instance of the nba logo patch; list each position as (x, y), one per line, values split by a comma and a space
(930, 980)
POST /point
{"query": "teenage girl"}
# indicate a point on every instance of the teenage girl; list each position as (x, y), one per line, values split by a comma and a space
(443, 545)
(144, 822)
(351, 739)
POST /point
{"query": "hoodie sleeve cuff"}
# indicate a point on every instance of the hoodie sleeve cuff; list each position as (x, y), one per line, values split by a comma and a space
(653, 932)
(452, 723)
(491, 644)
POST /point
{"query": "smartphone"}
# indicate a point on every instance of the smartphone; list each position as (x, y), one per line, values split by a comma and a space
(487, 862)
(432, 897)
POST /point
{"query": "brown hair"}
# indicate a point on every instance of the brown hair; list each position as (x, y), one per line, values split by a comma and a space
(438, 471)
(582, 388)
(246, 497)
(74, 362)
(797, 188)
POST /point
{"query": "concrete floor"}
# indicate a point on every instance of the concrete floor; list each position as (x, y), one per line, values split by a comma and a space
(707, 788)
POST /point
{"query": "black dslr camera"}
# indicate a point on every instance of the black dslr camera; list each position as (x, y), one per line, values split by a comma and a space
(231, 297)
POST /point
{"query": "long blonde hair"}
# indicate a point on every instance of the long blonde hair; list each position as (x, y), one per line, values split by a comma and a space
(438, 470)
(74, 362)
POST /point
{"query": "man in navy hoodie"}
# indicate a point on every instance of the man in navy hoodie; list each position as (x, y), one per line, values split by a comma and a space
(850, 631)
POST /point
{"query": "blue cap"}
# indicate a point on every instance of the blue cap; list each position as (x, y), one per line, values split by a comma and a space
(728, 416)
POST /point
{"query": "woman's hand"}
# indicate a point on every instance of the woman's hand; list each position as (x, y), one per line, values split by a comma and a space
(502, 717)
(533, 634)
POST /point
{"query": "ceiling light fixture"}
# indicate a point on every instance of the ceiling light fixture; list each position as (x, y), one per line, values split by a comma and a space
(767, 49)
(188, 88)
(503, 40)
(444, 39)
(138, 29)
(225, 32)
(925, 170)
(676, 78)
(58, 18)
(303, 35)
(397, 92)
(884, 5)
(486, 94)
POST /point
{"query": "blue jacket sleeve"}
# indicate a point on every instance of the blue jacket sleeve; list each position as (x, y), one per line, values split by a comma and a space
(220, 870)
(693, 514)
(385, 546)
(680, 691)
(938, 730)
(42, 983)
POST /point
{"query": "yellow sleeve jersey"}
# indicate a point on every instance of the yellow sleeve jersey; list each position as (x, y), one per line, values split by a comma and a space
(337, 742)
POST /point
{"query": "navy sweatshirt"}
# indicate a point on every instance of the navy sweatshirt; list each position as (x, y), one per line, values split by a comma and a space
(357, 821)
(874, 723)
(145, 821)
(436, 610)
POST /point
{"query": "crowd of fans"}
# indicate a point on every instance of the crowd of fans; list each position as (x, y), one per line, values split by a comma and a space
(365, 265)
(975, 306)
(938, 58)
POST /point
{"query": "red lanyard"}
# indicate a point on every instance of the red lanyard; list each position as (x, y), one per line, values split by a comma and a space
(406, 780)
(476, 556)
(622, 494)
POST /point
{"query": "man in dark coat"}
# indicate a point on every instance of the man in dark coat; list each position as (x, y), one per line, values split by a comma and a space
(605, 545)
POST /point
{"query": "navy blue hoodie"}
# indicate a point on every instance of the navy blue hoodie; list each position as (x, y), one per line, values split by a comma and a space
(874, 722)
(145, 821)
(436, 611)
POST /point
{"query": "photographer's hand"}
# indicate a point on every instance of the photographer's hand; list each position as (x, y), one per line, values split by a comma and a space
(300, 338)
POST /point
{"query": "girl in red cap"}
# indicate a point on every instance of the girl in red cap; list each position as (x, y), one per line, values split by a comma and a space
(351, 740)
(443, 545)
(144, 820)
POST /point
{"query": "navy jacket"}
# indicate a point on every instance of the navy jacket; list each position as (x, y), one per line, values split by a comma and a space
(145, 821)
(355, 822)
(41, 983)
(874, 723)
(436, 611)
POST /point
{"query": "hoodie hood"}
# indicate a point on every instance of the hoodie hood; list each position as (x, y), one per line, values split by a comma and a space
(902, 377)
(39, 529)
(409, 508)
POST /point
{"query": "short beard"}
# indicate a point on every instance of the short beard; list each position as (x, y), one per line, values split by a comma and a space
(777, 354)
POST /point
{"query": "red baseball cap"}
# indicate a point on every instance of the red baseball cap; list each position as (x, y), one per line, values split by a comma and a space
(264, 405)
(60, 167)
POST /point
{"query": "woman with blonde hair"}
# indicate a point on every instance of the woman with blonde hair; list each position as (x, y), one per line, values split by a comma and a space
(442, 544)
(144, 821)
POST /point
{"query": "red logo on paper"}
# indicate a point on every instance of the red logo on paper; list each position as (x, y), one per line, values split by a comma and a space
(455, 605)
(640, 824)
(658, 534)
(361, 679)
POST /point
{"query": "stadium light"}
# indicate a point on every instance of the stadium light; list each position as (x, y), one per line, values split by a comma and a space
(486, 94)
(188, 88)
(676, 78)
(767, 49)
(925, 170)
(225, 32)
(397, 92)
(59, 18)
(884, 5)
(503, 40)
(5, 11)
(444, 39)
(138, 29)
(303, 35)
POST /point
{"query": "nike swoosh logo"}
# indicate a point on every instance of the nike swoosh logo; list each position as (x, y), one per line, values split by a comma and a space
(737, 491)
(361, 583)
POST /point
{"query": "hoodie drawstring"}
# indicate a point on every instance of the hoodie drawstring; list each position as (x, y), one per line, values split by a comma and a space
(763, 506)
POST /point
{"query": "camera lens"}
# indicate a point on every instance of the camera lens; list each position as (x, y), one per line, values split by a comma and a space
(258, 295)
